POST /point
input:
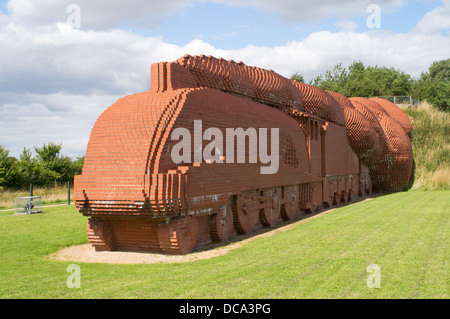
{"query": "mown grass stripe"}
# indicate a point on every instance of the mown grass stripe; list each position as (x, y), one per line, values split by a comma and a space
(406, 234)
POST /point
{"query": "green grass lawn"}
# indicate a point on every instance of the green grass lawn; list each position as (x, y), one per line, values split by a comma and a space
(405, 234)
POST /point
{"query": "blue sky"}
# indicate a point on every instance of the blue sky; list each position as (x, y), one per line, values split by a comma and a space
(55, 80)
(232, 27)
(229, 27)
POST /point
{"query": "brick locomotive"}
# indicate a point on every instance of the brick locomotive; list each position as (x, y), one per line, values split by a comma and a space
(331, 150)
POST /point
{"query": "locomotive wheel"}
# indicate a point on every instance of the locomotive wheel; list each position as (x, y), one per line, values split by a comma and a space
(245, 213)
(344, 197)
(269, 215)
(222, 224)
(368, 188)
(353, 190)
(350, 195)
(362, 189)
(291, 202)
(328, 203)
(336, 199)
(178, 236)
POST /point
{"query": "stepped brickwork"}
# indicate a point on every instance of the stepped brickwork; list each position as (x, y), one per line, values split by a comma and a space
(331, 150)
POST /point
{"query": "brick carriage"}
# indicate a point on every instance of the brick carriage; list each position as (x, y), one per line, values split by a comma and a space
(331, 150)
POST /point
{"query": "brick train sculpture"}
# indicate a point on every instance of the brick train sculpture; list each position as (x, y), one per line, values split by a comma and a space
(330, 150)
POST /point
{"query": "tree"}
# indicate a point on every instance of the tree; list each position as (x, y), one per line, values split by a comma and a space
(3, 155)
(55, 168)
(46, 169)
(297, 77)
(333, 80)
(8, 169)
(366, 81)
(29, 169)
(434, 85)
(2, 177)
(77, 166)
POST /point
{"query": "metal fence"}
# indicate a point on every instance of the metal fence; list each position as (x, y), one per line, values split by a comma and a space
(402, 100)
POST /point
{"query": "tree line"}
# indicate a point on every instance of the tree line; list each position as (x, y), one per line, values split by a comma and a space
(367, 81)
(47, 168)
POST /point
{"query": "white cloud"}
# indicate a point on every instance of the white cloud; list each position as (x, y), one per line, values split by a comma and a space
(322, 50)
(28, 120)
(435, 20)
(82, 62)
(4, 19)
(303, 11)
(95, 14)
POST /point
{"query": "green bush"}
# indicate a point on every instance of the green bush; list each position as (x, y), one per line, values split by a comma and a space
(361, 80)
(434, 86)
(48, 168)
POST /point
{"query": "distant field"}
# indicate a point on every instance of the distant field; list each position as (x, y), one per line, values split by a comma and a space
(50, 195)
(405, 234)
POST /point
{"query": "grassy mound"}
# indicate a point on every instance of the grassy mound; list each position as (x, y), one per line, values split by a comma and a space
(431, 147)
